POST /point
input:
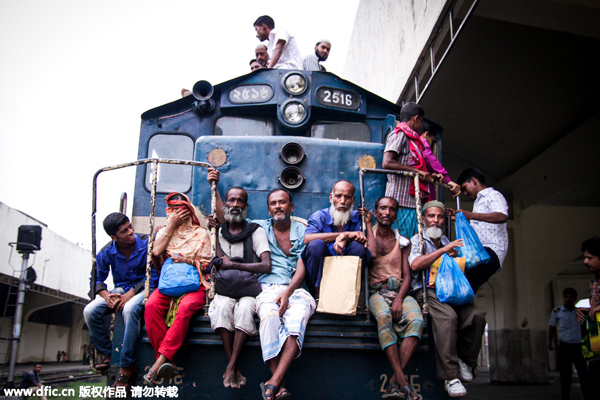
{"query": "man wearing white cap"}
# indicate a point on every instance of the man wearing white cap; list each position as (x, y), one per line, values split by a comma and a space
(457, 330)
(311, 61)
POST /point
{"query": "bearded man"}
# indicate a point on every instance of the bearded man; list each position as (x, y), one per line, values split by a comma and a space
(457, 330)
(337, 225)
(233, 318)
(312, 61)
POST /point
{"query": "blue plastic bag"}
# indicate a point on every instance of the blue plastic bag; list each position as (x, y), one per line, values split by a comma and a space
(451, 284)
(177, 279)
(473, 250)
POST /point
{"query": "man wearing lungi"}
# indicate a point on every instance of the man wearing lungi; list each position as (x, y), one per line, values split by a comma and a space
(283, 308)
(398, 315)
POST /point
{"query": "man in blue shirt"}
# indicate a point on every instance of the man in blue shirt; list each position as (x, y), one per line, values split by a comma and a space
(125, 257)
(337, 225)
(283, 308)
(569, 343)
(32, 380)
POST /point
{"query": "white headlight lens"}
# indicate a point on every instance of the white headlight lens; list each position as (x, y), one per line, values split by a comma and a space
(295, 84)
(294, 112)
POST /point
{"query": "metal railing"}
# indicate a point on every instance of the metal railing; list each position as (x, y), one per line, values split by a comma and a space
(154, 162)
(416, 178)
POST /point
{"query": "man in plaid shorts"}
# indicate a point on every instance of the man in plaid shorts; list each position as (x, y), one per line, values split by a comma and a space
(399, 317)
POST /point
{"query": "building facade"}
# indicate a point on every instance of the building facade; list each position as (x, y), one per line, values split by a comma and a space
(514, 85)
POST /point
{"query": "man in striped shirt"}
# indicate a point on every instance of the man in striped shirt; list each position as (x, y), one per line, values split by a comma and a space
(404, 151)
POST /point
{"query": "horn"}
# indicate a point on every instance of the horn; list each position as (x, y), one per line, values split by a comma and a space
(202, 90)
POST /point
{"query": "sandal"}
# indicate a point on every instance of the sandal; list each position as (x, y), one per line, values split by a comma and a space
(406, 390)
(151, 379)
(283, 394)
(104, 365)
(265, 395)
(393, 392)
(126, 380)
(167, 371)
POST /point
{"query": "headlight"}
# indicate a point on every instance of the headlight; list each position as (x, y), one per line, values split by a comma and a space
(294, 112)
(292, 153)
(295, 83)
(291, 177)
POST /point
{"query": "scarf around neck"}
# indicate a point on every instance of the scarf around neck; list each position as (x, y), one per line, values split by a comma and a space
(417, 159)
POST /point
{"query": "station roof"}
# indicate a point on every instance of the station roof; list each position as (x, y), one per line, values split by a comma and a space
(518, 96)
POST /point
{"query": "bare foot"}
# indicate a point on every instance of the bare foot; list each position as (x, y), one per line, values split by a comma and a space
(241, 379)
(229, 379)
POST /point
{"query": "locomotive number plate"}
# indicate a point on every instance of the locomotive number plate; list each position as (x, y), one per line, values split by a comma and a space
(250, 94)
(339, 98)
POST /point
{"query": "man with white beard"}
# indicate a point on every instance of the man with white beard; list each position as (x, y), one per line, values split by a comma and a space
(457, 330)
(233, 318)
(338, 223)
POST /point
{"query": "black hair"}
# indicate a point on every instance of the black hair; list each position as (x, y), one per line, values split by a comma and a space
(265, 19)
(252, 61)
(113, 221)
(344, 180)
(409, 110)
(570, 291)
(236, 187)
(386, 197)
(280, 190)
(469, 173)
(592, 246)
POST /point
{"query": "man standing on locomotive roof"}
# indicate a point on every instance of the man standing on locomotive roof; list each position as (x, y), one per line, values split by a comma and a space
(404, 152)
(233, 318)
(283, 49)
(125, 257)
(457, 330)
(337, 225)
(399, 318)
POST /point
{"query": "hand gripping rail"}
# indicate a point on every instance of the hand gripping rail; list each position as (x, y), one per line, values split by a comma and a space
(415, 176)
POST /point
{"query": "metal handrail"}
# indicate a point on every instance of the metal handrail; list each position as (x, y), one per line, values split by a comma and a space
(154, 162)
(416, 177)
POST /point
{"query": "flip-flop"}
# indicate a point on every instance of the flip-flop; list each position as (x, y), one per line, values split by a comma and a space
(167, 371)
(263, 391)
(283, 394)
(151, 379)
(407, 389)
(393, 392)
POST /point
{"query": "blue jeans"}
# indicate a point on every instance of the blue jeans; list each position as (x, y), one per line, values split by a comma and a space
(94, 314)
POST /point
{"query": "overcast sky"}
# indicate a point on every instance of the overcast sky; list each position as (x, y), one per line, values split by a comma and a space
(75, 76)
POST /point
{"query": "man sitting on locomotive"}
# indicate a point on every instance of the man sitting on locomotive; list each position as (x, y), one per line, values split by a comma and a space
(336, 224)
(182, 240)
(457, 330)
(399, 318)
(233, 318)
(125, 256)
(283, 307)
